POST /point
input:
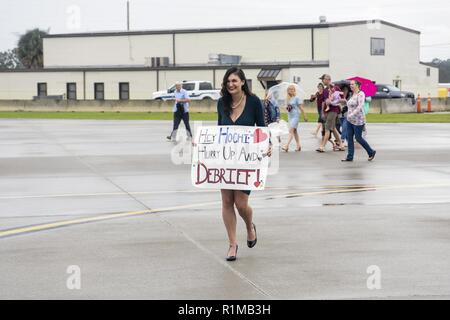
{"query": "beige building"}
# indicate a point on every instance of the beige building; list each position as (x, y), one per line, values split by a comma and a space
(132, 65)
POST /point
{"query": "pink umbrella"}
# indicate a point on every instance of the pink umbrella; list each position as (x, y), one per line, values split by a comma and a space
(367, 86)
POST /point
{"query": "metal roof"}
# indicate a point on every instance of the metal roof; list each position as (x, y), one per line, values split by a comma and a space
(268, 74)
(234, 29)
(311, 64)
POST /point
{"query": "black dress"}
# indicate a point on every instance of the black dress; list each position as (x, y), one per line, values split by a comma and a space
(251, 115)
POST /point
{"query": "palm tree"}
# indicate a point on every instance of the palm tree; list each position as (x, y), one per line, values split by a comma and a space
(30, 49)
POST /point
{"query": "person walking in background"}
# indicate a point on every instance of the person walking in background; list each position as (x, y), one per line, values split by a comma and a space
(332, 109)
(355, 122)
(271, 111)
(343, 115)
(318, 97)
(326, 82)
(366, 112)
(294, 106)
(180, 112)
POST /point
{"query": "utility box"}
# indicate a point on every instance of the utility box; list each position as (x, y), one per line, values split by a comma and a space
(443, 92)
(160, 62)
(229, 59)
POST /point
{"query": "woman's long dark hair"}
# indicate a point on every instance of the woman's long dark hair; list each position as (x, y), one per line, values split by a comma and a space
(226, 96)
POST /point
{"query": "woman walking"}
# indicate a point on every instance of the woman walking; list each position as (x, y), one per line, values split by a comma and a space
(293, 104)
(355, 122)
(343, 115)
(319, 98)
(238, 106)
(332, 109)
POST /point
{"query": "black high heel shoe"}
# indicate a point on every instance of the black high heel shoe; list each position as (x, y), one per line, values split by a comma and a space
(252, 243)
(232, 258)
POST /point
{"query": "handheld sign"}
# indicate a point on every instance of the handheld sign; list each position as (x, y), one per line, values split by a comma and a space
(230, 157)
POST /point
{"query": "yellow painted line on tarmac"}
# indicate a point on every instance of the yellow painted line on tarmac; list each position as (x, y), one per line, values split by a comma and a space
(64, 223)
(58, 224)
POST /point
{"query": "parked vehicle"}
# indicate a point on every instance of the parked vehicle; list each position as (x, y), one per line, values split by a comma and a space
(197, 90)
(384, 91)
(387, 91)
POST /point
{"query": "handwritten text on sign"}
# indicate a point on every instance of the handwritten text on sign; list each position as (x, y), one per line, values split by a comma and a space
(231, 157)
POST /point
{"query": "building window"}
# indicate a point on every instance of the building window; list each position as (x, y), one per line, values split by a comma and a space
(428, 72)
(124, 91)
(99, 91)
(42, 89)
(71, 91)
(398, 84)
(377, 46)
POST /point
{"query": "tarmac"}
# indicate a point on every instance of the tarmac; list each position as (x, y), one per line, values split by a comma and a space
(107, 198)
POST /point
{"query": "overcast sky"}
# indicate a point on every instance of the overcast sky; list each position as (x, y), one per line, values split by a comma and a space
(61, 16)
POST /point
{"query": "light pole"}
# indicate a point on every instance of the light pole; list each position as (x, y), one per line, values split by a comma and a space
(128, 15)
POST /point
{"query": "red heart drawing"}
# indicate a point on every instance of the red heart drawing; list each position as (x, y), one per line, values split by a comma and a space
(257, 183)
(259, 136)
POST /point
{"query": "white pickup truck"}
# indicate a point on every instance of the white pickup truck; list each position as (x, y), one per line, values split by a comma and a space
(197, 90)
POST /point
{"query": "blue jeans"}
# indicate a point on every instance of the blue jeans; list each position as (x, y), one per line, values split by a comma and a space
(344, 128)
(356, 131)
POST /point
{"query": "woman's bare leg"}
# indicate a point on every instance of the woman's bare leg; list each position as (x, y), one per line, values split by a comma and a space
(246, 212)
(291, 136)
(297, 138)
(229, 218)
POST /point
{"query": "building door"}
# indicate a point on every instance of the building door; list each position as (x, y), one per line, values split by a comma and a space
(124, 90)
(99, 91)
(42, 89)
(71, 91)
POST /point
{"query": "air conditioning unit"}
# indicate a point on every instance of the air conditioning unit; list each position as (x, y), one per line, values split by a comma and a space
(213, 58)
(229, 59)
(160, 62)
(147, 61)
(164, 61)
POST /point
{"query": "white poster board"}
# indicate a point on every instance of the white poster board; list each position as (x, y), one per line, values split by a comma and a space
(230, 157)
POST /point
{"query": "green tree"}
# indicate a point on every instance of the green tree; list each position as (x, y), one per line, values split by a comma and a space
(444, 69)
(30, 49)
(10, 60)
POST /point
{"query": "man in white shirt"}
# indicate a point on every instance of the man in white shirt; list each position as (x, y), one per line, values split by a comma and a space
(180, 112)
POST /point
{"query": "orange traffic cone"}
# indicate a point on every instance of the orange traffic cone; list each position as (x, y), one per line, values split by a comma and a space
(419, 104)
(429, 103)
